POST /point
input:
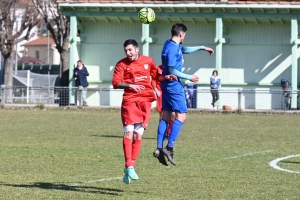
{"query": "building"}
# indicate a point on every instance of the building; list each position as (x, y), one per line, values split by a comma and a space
(42, 48)
(256, 42)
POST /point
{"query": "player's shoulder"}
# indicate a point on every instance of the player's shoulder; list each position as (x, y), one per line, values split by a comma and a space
(146, 58)
(122, 62)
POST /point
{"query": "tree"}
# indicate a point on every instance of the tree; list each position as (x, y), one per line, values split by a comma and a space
(17, 20)
(59, 27)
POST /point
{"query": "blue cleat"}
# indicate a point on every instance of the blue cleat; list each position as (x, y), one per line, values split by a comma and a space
(126, 178)
(131, 173)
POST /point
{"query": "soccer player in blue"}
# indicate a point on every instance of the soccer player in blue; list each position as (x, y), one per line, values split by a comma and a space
(173, 97)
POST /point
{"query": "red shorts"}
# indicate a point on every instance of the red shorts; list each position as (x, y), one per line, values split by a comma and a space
(159, 104)
(136, 112)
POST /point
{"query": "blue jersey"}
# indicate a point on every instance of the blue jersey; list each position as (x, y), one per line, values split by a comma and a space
(173, 97)
(171, 56)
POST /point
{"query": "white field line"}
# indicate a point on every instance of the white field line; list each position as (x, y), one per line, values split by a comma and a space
(273, 164)
(249, 154)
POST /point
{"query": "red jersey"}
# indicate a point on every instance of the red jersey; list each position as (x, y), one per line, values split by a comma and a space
(159, 72)
(139, 72)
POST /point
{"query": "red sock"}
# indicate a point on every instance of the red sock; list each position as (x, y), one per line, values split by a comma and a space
(127, 148)
(136, 148)
(170, 127)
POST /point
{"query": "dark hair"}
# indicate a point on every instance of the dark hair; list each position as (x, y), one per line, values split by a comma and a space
(178, 28)
(79, 61)
(214, 72)
(129, 42)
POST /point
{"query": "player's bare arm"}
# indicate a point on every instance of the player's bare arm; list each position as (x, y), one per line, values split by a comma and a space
(136, 88)
(167, 77)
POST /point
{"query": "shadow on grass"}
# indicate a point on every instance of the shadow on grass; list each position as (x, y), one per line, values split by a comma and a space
(286, 161)
(121, 136)
(57, 186)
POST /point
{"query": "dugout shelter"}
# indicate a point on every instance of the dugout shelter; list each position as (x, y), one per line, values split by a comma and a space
(256, 42)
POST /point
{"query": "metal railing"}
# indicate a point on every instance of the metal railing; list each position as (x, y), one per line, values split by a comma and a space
(196, 98)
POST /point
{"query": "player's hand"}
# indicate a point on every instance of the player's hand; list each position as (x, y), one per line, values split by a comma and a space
(194, 78)
(171, 77)
(137, 88)
(209, 50)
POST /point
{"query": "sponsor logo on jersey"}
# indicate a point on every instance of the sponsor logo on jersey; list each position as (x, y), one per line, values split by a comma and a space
(146, 66)
(139, 78)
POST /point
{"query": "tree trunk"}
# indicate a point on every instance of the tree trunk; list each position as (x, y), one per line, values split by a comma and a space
(8, 80)
(64, 68)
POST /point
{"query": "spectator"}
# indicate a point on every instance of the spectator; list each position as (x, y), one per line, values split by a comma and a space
(215, 83)
(81, 72)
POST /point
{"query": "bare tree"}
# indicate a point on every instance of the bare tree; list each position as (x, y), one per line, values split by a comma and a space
(17, 19)
(59, 27)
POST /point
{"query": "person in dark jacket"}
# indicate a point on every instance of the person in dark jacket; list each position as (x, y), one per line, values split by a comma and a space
(80, 73)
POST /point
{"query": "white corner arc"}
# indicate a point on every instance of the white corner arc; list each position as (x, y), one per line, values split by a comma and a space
(273, 164)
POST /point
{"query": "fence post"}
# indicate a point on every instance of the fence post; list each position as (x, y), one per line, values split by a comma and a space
(80, 88)
(239, 99)
(3, 93)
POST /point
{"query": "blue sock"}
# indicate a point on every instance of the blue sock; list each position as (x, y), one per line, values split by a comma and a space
(161, 130)
(176, 127)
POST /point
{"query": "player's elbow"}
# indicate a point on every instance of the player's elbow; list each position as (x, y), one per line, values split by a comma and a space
(115, 84)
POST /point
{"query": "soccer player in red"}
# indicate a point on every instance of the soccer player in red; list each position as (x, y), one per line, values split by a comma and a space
(136, 74)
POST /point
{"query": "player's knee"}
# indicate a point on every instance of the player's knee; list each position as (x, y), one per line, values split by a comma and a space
(181, 117)
(128, 131)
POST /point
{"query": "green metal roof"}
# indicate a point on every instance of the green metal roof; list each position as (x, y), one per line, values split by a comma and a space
(266, 13)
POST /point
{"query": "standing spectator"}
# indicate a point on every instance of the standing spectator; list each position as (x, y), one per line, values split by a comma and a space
(215, 83)
(81, 72)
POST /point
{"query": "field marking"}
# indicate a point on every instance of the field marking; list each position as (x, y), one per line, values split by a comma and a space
(273, 164)
(93, 181)
(249, 154)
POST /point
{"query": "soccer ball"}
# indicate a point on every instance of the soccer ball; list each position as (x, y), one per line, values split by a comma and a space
(146, 15)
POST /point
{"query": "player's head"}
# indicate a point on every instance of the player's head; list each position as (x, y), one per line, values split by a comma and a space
(215, 73)
(79, 63)
(178, 31)
(131, 49)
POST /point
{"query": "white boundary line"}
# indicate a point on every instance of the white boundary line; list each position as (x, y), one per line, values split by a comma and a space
(249, 154)
(94, 181)
(273, 164)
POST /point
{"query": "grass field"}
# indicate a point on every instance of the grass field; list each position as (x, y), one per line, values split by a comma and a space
(77, 154)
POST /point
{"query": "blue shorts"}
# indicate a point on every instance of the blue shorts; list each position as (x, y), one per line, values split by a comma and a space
(174, 100)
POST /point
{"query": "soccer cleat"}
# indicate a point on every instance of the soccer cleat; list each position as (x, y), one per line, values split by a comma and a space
(160, 156)
(170, 155)
(126, 178)
(131, 173)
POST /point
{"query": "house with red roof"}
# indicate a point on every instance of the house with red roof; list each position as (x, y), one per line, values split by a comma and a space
(40, 50)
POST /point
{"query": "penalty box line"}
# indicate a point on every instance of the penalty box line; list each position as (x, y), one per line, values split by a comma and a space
(249, 154)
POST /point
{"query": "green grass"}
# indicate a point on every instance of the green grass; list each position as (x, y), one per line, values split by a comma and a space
(53, 154)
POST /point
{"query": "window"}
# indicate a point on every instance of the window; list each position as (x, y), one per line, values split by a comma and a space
(37, 54)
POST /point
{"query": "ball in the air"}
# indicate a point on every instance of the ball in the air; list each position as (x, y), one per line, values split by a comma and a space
(146, 15)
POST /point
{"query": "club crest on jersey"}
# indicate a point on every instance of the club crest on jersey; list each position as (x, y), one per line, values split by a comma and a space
(146, 66)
